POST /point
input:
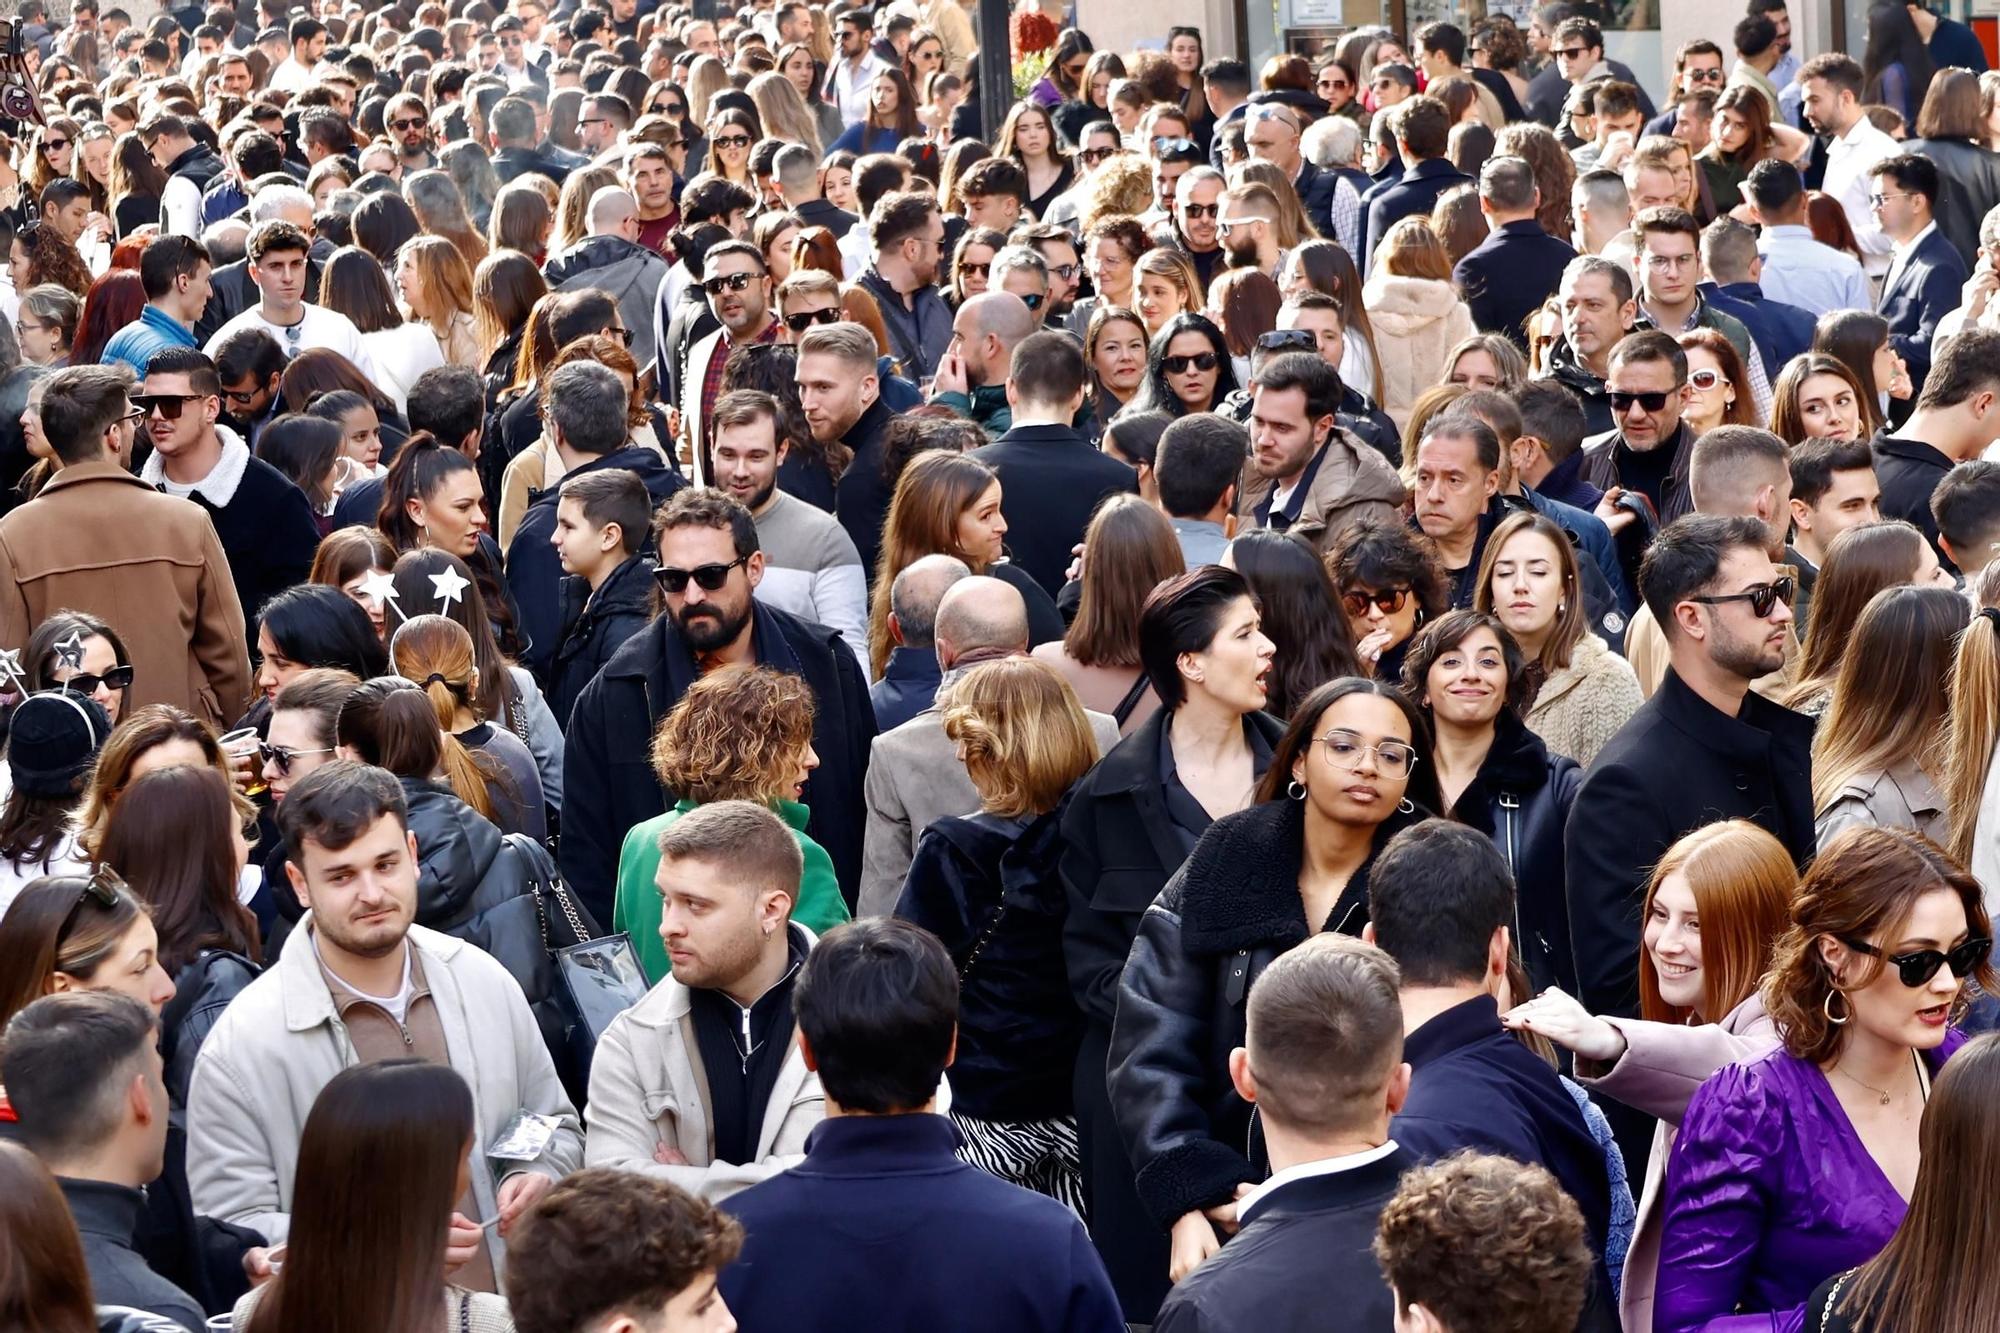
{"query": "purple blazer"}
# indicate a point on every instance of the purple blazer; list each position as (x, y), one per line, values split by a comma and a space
(1769, 1193)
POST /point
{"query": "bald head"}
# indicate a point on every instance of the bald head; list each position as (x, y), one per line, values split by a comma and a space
(914, 598)
(614, 212)
(988, 327)
(980, 614)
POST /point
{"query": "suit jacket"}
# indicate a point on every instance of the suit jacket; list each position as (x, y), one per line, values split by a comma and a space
(1415, 194)
(1781, 331)
(1924, 291)
(1509, 274)
(1051, 481)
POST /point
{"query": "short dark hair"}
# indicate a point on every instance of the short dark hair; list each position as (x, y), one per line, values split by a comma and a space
(1553, 415)
(1837, 69)
(1456, 425)
(256, 154)
(1910, 171)
(166, 261)
(1961, 366)
(1615, 97)
(1670, 219)
(613, 495)
(587, 402)
(66, 1061)
(1966, 505)
(304, 29)
(449, 402)
(1507, 183)
(899, 215)
(1182, 615)
(1200, 456)
(1306, 372)
(1581, 29)
(1754, 35)
(79, 404)
(61, 191)
(994, 175)
(1445, 38)
(1775, 185)
(275, 236)
(512, 121)
(1232, 76)
(1436, 895)
(251, 352)
(1814, 462)
(1652, 345)
(713, 199)
(877, 175)
(877, 1003)
(187, 361)
(337, 803)
(1687, 557)
(1047, 367)
(706, 507)
(1422, 125)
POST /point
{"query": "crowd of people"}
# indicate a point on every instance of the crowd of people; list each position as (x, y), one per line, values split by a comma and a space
(1361, 695)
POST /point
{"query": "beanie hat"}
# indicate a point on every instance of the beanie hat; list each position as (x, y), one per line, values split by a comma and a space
(52, 741)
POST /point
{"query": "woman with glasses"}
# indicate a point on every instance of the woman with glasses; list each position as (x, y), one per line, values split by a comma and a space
(1063, 79)
(53, 739)
(1336, 85)
(1390, 584)
(796, 64)
(1187, 368)
(1718, 388)
(1114, 346)
(76, 651)
(730, 134)
(1816, 397)
(1794, 1167)
(1861, 562)
(1859, 339)
(53, 156)
(1111, 250)
(1091, 99)
(923, 57)
(1352, 769)
(47, 325)
(1029, 137)
(1416, 312)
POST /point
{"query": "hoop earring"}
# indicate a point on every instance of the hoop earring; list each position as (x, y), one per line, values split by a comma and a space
(1407, 806)
(1826, 1007)
(1295, 789)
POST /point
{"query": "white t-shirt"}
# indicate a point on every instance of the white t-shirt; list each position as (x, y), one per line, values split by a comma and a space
(319, 328)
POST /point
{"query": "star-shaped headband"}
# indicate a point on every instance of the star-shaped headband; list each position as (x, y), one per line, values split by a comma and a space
(380, 588)
(10, 670)
(448, 586)
(70, 650)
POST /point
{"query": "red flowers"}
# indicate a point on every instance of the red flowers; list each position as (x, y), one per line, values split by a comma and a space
(1033, 31)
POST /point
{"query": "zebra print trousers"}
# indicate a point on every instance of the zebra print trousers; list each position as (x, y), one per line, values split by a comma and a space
(1040, 1155)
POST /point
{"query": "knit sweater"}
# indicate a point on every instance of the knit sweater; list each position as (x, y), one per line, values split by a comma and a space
(1581, 706)
(812, 569)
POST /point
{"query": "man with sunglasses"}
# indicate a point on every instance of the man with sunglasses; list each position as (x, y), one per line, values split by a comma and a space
(611, 259)
(738, 286)
(1248, 228)
(409, 127)
(1271, 134)
(710, 563)
(1193, 230)
(1697, 67)
(1576, 51)
(855, 66)
(514, 65)
(1649, 451)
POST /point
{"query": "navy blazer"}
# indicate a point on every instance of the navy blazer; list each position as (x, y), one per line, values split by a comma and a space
(1509, 274)
(1780, 331)
(1414, 195)
(1927, 288)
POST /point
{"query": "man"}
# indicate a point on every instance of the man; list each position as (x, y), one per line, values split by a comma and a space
(1248, 228)
(1729, 253)
(99, 539)
(265, 523)
(1704, 747)
(906, 231)
(710, 566)
(798, 176)
(1697, 68)
(1597, 311)
(408, 124)
(1616, 126)
(1576, 57)
(65, 210)
(909, 682)
(1925, 270)
(811, 568)
(278, 266)
(1170, 162)
(1513, 272)
(1423, 132)
(1441, 56)
(877, 1011)
(1956, 418)
(616, 1252)
(603, 520)
(174, 271)
(1442, 904)
(649, 174)
(1271, 134)
(1651, 448)
(1833, 85)
(513, 131)
(840, 394)
(853, 74)
(1797, 268)
(972, 379)
(1057, 247)
(231, 289)
(1020, 272)
(1322, 1063)
(515, 66)
(1456, 504)
(602, 126)
(250, 364)
(994, 193)
(1225, 84)
(1833, 489)
(1600, 210)
(716, 1035)
(1694, 119)
(612, 260)
(1193, 231)
(359, 982)
(1547, 455)
(1197, 466)
(1950, 42)
(308, 38)
(1650, 182)
(737, 284)
(1966, 505)
(1757, 54)
(1670, 296)
(190, 168)
(324, 133)
(1318, 315)
(1308, 474)
(1055, 477)
(585, 417)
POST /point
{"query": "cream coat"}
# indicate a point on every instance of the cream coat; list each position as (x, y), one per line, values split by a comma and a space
(1417, 322)
(1581, 706)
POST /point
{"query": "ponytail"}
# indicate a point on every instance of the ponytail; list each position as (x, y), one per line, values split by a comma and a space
(1975, 717)
(420, 467)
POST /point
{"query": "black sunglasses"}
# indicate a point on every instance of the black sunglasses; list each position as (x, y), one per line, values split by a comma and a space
(118, 678)
(1572, 52)
(982, 270)
(1761, 598)
(1288, 340)
(731, 141)
(104, 887)
(801, 320)
(710, 577)
(170, 405)
(728, 282)
(1202, 210)
(400, 126)
(1180, 365)
(1621, 401)
(1916, 969)
(280, 756)
(1092, 156)
(1033, 300)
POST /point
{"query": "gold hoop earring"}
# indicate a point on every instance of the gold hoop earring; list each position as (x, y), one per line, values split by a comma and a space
(1826, 1007)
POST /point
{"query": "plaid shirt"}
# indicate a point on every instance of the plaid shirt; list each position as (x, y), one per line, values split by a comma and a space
(711, 380)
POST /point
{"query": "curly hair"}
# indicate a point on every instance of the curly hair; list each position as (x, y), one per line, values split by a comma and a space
(1023, 734)
(1488, 1243)
(1554, 169)
(1376, 554)
(738, 734)
(1122, 187)
(51, 258)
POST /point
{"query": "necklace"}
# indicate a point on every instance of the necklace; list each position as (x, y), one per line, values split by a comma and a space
(1851, 1079)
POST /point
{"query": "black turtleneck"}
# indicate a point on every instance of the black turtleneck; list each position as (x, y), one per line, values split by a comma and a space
(742, 1051)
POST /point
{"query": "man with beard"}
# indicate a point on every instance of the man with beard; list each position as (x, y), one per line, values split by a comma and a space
(1248, 226)
(1057, 247)
(1197, 203)
(972, 380)
(409, 128)
(737, 283)
(357, 983)
(710, 565)
(811, 568)
(840, 392)
(906, 230)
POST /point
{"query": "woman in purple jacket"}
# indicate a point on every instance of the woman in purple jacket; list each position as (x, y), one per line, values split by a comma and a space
(1796, 1166)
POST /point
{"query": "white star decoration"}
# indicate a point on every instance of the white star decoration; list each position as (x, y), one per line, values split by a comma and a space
(379, 588)
(70, 650)
(10, 670)
(447, 587)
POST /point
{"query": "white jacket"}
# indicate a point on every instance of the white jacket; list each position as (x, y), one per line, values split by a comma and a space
(1417, 321)
(281, 1041)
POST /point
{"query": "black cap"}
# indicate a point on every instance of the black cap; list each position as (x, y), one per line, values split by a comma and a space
(52, 740)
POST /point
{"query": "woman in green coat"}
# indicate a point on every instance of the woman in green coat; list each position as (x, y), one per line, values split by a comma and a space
(740, 733)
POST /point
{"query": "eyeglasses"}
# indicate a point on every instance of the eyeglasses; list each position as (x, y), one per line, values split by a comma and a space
(1622, 402)
(710, 577)
(280, 756)
(1877, 200)
(622, 334)
(241, 397)
(1288, 340)
(1226, 225)
(731, 141)
(405, 126)
(103, 887)
(1346, 750)
(969, 268)
(1067, 272)
(1175, 145)
(1703, 380)
(1263, 113)
(118, 678)
(728, 282)
(1573, 52)
(1761, 598)
(1336, 85)
(1202, 210)
(1090, 157)
(593, 120)
(1033, 300)
(1664, 263)
(1181, 365)
(801, 320)
(1916, 969)
(24, 327)
(1388, 601)
(169, 405)
(1075, 72)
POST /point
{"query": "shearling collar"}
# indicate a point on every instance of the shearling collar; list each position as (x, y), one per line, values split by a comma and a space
(219, 486)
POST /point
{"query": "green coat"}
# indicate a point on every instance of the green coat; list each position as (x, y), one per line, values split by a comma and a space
(637, 909)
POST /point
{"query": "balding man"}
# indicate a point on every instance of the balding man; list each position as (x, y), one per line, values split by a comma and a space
(914, 773)
(909, 681)
(611, 259)
(972, 377)
(1271, 134)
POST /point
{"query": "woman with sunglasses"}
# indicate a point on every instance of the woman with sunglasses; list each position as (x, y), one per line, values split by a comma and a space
(47, 325)
(1114, 346)
(1335, 84)
(972, 263)
(1859, 339)
(1187, 369)
(1718, 388)
(1816, 397)
(730, 135)
(1861, 562)
(53, 738)
(53, 156)
(1390, 584)
(1796, 1166)
(76, 651)
(1029, 137)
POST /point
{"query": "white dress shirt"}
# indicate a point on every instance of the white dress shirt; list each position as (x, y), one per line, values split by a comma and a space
(1848, 159)
(1802, 271)
(851, 83)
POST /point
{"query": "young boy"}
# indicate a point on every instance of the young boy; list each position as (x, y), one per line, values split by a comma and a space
(602, 519)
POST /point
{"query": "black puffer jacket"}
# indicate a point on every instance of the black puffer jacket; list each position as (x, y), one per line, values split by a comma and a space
(1182, 1001)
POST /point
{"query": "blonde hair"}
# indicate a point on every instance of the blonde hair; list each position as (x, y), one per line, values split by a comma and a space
(573, 205)
(436, 654)
(739, 733)
(447, 279)
(1022, 733)
(783, 111)
(1412, 250)
(1974, 721)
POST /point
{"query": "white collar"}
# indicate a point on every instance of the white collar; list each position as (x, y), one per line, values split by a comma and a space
(1326, 1166)
(1902, 249)
(219, 486)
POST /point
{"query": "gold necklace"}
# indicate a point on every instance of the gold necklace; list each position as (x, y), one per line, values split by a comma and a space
(1872, 1088)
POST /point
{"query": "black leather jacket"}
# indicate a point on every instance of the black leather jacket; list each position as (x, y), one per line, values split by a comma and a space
(202, 990)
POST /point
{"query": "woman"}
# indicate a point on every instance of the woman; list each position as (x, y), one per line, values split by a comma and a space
(319, 370)
(137, 182)
(1294, 594)
(924, 56)
(1790, 1168)
(471, 170)
(390, 1142)
(1493, 773)
(522, 220)
(1390, 584)
(1114, 345)
(1743, 137)
(730, 134)
(972, 263)
(795, 63)
(1134, 440)
(358, 429)
(310, 626)
(1244, 303)
(1555, 170)
(101, 670)
(987, 885)
(1486, 361)
(951, 504)
(1878, 757)
(41, 254)
(1062, 78)
(1029, 137)
(47, 325)
(1128, 550)
(53, 155)
(1859, 340)
(307, 451)
(1719, 389)
(1418, 315)
(1896, 66)
(431, 497)
(1184, 49)
(489, 769)
(434, 197)
(1713, 910)
(505, 288)
(52, 740)
(1111, 248)
(1166, 287)
(152, 737)
(436, 286)
(79, 932)
(357, 561)
(773, 234)
(1091, 101)
(1351, 770)
(1860, 563)
(1326, 268)
(1187, 367)
(740, 733)
(1817, 397)
(383, 225)
(891, 118)
(114, 301)
(784, 110)
(1131, 822)
(354, 285)
(836, 181)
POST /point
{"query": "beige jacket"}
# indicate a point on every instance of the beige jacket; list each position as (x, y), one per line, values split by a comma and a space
(479, 1311)
(1581, 706)
(459, 343)
(1417, 322)
(1902, 797)
(1354, 482)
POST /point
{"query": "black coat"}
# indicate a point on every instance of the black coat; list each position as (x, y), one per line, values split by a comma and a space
(861, 500)
(1508, 276)
(513, 162)
(106, 1217)
(1928, 287)
(1183, 1001)
(608, 781)
(1521, 799)
(1968, 186)
(1908, 472)
(594, 627)
(1051, 481)
(1304, 1244)
(1415, 195)
(269, 533)
(202, 990)
(1676, 765)
(1315, 186)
